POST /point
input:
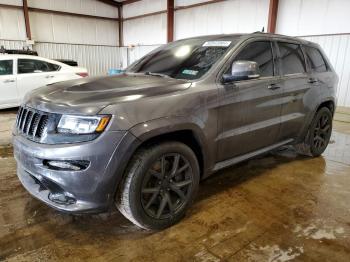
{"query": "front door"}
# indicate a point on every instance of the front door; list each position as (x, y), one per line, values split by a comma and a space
(8, 85)
(250, 109)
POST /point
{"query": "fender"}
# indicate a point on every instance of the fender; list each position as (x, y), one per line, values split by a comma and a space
(162, 126)
(312, 115)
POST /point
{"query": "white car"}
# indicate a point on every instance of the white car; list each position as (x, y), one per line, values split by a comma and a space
(20, 74)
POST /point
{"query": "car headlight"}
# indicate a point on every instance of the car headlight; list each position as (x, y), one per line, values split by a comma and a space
(82, 124)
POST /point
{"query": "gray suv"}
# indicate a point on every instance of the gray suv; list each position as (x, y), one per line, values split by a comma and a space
(143, 140)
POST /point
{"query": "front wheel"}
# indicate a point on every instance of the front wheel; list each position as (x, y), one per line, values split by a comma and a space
(319, 134)
(159, 185)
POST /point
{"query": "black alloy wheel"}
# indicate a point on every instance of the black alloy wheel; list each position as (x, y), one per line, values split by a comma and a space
(320, 131)
(159, 185)
(166, 186)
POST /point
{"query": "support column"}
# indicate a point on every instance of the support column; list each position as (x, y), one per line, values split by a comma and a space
(26, 19)
(273, 9)
(170, 20)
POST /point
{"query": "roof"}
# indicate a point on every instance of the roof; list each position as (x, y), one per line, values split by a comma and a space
(255, 34)
(13, 56)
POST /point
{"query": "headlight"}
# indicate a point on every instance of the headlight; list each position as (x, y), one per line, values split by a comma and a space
(82, 124)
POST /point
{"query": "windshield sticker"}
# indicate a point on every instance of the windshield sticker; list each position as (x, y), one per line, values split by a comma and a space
(190, 72)
(217, 43)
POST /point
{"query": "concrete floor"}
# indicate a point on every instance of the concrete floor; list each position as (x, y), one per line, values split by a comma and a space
(280, 207)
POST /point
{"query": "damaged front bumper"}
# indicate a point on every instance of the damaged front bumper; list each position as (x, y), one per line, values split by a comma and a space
(90, 189)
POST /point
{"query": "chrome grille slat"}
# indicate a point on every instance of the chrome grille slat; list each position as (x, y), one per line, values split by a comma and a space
(36, 126)
(24, 118)
(27, 122)
(20, 117)
(31, 123)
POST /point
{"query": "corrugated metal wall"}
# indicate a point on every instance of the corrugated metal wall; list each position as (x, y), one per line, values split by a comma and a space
(92, 42)
(337, 48)
(97, 59)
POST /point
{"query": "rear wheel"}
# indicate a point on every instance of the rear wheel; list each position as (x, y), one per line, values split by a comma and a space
(319, 134)
(159, 185)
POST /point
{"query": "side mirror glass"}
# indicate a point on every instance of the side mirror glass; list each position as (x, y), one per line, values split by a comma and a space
(242, 70)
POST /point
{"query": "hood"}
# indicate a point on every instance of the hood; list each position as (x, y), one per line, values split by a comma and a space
(88, 96)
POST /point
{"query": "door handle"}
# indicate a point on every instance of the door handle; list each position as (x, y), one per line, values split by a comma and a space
(49, 76)
(273, 86)
(9, 81)
(312, 80)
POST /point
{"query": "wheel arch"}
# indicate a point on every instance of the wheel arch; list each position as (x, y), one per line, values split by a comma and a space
(174, 129)
(329, 103)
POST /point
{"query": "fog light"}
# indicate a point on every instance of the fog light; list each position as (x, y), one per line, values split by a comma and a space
(75, 165)
(61, 198)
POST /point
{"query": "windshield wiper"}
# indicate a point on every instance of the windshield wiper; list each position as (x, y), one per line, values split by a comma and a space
(156, 74)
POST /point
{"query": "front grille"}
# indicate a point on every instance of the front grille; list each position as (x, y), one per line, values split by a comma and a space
(31, 123)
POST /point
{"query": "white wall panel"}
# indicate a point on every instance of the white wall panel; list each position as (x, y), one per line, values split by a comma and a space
(12, 2)
(188, 2)
(144, 7)
(71, 29)
(146, 31)
(235, 16)
(312, 17)
(12, 24)
(97, 59)
(88, 7)
(337, 48)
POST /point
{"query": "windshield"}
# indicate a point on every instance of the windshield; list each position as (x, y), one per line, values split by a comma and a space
(185, 59)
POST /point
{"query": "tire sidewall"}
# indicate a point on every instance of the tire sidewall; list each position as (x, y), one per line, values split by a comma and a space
(318, 151)
(138, 173)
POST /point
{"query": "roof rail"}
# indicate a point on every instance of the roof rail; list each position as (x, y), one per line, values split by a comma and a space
(23, 51)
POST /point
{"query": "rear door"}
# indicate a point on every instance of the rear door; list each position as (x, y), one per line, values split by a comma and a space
(295, 80)
(8, 84)
(249, 117)
(321, 75)
(32, 74)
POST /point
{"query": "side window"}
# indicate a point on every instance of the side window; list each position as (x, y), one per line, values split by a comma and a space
(54, 67)
(292, 58)
(315, 59)
(6, 67)
(261, 53)
(27, 66)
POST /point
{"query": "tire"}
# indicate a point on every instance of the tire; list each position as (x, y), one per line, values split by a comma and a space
(149, 194)
(319, 134)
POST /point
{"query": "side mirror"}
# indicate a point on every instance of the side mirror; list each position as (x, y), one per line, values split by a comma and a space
(242, 70)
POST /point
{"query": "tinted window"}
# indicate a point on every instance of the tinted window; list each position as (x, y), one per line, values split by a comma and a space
(315, 59)
(185, 59)
(6, 67)
(26, 66)
(261, 53)
(292, 58)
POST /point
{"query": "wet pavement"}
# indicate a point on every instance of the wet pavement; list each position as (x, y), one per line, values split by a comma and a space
(7, 119)
(280, 207)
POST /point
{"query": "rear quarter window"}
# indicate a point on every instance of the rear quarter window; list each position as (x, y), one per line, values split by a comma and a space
(315, 59)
